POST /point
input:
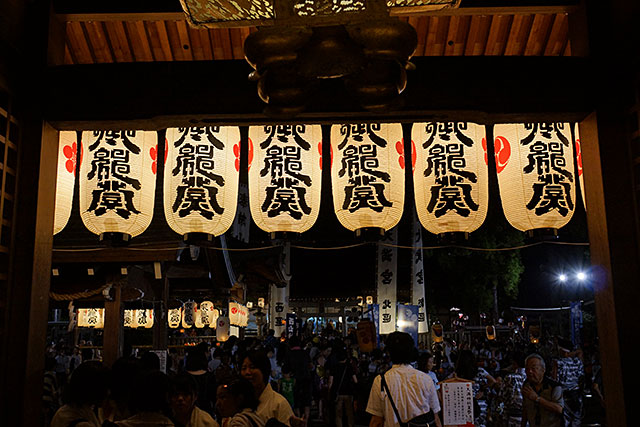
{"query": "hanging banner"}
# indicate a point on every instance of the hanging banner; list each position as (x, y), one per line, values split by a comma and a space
(535, 167)
(291, 325)
(65, 179)
(579, 163)
(418, 296)
(117, 181)
(387, 280)
(408, 320)
(278, 308)
(201, 179)
(367, 175)
(451, 176)
(285, 180)
(241, 224)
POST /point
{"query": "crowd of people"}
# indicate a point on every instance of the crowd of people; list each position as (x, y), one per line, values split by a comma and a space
(322, 380)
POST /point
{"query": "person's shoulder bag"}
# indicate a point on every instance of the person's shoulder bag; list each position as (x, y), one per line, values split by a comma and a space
(424, 420)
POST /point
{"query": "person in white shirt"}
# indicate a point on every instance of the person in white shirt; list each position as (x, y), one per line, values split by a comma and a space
(237, 404)
(256, 368)
(412, 391)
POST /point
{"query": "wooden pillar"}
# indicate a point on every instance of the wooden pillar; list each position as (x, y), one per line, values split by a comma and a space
(160, 326)
(113, 334)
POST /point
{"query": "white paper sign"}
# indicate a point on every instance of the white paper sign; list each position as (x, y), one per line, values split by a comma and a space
(162, 355)
(457, 403)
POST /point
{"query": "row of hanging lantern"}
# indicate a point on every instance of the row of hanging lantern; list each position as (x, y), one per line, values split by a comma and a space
(534, 164)
(94, 318)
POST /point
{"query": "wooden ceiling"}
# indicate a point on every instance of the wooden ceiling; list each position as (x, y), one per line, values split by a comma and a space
(148, 37)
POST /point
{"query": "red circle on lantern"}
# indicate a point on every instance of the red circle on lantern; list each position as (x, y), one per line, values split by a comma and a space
(502, 149)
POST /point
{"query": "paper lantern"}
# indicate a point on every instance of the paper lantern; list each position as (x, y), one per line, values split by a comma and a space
(117, 181)
(366, 334)
(222, 328)
(367, 175)
(261, 302)
(201, 179)
(490, 332)
(188, 314)
(91, 318)
(535, 174)
(65, 179)
(128, 319)
(174, 317)
(451, 177)
(285, 177)
(208, 314)
(436, 332)
(579, 163)
(142, 318)
(234, 313)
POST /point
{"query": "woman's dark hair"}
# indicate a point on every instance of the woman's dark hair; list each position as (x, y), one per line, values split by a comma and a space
(423, 358)
(196, 361)
(151, 392)
(88, 385)
(401, 348)
(260, 360)
(184, 383)
(466, 366)
(244, 388)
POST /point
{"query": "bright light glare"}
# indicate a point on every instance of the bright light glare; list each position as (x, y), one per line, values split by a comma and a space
(581, 276)
(562, 277)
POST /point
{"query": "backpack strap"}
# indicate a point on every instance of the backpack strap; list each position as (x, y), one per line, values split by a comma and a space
(251, 420)
(393, 405)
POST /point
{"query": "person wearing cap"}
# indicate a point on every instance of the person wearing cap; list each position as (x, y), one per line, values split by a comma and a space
(542, 402)
(568, 370)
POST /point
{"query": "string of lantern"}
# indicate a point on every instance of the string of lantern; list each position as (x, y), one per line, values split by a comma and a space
(535, 167)
(190, 314)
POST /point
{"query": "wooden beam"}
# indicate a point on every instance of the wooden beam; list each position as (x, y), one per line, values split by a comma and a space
(128, 255)
(113, 335)
(395, 11)
(157, 95)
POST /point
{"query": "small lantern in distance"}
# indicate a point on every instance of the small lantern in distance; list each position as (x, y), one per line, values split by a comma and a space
(222, 329)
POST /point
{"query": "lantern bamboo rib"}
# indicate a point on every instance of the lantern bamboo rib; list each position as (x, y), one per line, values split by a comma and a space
(471, 248)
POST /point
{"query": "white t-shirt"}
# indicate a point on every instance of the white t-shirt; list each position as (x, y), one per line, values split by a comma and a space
(413, 393)
(274, 405)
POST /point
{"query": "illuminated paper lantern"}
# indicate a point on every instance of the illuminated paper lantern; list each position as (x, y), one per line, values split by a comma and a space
(436, 332)
(451, 176)
(535, 174)
(174, 317)
(91, 318)
(201, 179)
(117, 181)
(129, 316)
(234, 313)
(188, 314)
(261, 302)
(142, 318)
(65, 179)
(222, 328)
(367, 175)
(285, 177)
(490, 332)
(208, 314)
(579, 163)
(243, 316)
